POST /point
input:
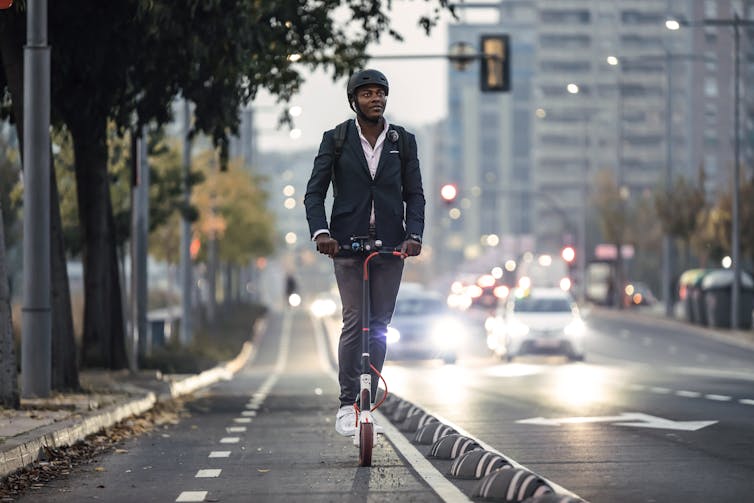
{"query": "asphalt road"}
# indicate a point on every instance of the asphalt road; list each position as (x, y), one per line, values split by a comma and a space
(657, 413)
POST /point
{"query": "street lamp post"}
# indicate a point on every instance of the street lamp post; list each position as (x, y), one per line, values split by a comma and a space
(36, 340)
(581, 256)
(736, 22)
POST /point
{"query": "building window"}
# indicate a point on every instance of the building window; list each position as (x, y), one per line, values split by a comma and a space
(642, 17)
(564, 41)
(565, 66)
(710, 86)
(565, 16)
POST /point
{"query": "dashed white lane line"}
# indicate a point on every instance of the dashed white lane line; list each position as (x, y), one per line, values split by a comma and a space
(249, 413)
(191, 496)
(242, 420)
(688, 394)
(219, 454)
(718, 398)
(209, 473)
(236, 429)
(230, 440)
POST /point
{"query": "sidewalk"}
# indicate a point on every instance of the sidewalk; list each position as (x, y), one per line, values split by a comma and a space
(64, 419)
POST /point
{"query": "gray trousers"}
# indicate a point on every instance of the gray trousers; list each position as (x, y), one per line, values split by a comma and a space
(385, 273)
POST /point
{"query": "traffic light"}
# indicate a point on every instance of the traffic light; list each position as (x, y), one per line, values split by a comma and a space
(6, 4)
(495, 65)
(448, 192)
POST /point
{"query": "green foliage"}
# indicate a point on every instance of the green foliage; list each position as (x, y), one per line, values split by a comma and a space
(232, 206)
(165, 198)
(679, 209)
(10, 166)
(216, 53)
(213, 343)
(715, 236)
(615, 214)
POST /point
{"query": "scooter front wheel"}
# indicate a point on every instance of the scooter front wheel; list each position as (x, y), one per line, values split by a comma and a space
(366, 442)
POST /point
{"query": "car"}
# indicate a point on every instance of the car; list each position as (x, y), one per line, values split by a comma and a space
(537, 321)
(638, 294)
(423, 326)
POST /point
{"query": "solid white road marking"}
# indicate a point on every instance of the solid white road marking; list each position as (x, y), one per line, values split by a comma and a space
(219, 454)
(636, 419)
(230, 440)
(447, 491)
(210, 473)
(191, 496)
(746, 401)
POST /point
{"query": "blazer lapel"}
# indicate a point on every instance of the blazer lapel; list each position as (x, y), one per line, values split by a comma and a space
(387, 147)
(354, 141)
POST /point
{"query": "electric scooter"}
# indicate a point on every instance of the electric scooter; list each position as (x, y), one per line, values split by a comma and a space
(366, 436)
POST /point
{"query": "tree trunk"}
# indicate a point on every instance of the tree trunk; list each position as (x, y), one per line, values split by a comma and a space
(212, 266)
(228, 285)
(104, 343)
(65, 368)
(9, 395)
(65, 374)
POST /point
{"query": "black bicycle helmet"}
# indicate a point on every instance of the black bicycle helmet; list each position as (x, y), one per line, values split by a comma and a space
(363, 78)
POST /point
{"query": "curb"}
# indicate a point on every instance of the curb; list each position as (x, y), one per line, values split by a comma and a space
(22, 450)
(25, 449)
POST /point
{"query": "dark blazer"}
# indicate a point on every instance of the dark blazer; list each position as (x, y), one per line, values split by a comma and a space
(356, 190)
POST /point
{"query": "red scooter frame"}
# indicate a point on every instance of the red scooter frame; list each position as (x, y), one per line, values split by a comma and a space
(365, 436)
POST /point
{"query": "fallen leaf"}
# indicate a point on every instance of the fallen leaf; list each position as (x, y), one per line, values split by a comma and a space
(99, 469)
(121, 451)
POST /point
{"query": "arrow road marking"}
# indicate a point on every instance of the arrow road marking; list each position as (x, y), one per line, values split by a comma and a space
(636, 419)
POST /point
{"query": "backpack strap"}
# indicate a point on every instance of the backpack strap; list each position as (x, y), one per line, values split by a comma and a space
(341, 130)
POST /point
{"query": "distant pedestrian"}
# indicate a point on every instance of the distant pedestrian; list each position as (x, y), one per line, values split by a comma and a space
(377, 189)
(291, 289)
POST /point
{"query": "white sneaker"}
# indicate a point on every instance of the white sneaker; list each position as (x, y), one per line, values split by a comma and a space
(345, 421)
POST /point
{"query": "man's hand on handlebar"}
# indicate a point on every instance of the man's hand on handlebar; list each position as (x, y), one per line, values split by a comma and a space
(411, 248)
(327, 245)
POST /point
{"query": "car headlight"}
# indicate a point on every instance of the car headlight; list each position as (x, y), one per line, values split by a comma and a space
(575, 328)
(393, 335)
(322, 308)
(448, 333)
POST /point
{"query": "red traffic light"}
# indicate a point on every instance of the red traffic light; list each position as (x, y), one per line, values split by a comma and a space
(568, 254)
(448, 192)
(6, 4)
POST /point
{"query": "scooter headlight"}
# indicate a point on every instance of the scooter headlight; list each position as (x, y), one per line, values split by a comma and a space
(393, 335)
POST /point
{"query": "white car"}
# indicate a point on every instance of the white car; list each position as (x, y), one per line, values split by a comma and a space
(537, 321)
(424, 327)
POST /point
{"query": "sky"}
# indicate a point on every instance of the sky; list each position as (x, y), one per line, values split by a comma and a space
(418, 87)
